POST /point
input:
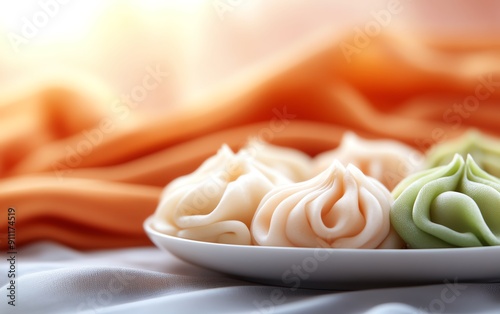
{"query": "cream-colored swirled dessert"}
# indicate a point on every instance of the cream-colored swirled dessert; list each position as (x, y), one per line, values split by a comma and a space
(291, 162)
(456, 205)
(339, 208)
(216, 203)
(484, 149)
(386, 160)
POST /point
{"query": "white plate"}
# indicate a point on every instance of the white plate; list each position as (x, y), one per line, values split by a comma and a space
(341, 269)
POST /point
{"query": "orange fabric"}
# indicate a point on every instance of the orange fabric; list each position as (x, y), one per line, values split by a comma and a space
(397, 87)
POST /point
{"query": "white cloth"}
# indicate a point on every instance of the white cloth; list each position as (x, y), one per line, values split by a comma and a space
(56, 279)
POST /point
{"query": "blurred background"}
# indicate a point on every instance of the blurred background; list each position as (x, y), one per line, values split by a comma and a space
(194, 74)
(200, 43)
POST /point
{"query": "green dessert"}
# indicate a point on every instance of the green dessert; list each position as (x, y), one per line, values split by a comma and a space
(484, 149)
(456, 205)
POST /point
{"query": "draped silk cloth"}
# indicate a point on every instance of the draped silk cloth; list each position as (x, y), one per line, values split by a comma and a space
(83, 175)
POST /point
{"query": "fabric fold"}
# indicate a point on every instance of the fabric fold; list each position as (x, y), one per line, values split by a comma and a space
(400, 87)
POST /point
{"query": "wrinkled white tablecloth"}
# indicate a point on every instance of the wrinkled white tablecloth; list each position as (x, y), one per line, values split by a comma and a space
(56, 279)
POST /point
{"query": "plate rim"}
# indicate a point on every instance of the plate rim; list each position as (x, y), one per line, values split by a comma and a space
(343, 269)
(405, 251)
